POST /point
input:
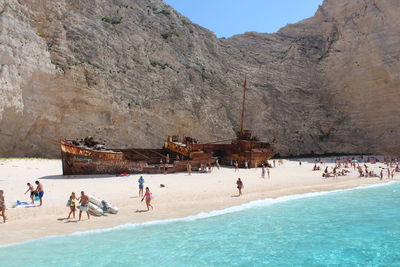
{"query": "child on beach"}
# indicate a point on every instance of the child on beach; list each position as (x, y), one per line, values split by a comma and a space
(32, 192)
(147, 196)
(72, 205)
(3, 206)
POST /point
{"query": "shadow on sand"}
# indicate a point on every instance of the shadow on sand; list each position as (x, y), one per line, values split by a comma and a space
(70, 177)
(139, 211)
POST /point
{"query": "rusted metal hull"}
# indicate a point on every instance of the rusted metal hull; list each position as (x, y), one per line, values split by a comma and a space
(255, 153)
(78, 160)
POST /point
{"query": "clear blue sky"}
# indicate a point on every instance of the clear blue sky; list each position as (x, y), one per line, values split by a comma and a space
(228, 17)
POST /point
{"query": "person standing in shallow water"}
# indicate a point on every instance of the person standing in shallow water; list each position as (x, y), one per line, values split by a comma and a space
(147, 196)
(3, 206)
(141, 185)
(239, 185)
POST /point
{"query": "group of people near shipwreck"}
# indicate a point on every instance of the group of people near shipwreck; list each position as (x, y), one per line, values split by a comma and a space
(342, 167)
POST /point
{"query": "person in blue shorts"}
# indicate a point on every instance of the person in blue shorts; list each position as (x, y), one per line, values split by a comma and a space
(40, 192)
(141, 185)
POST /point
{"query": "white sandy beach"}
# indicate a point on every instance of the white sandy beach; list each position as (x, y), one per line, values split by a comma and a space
(183, 195)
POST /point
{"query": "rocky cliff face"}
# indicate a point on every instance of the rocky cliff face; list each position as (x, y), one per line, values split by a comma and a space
(132, 72)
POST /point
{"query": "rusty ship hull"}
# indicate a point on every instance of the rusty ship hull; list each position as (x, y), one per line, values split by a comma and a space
(78, 160)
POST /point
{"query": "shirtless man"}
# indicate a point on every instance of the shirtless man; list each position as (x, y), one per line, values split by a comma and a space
(84, 201)
(39, 190)
(31, 190)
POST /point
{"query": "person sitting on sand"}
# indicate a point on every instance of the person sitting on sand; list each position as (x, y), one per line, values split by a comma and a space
(239, 185)
(72, 205)
(32, 190)
(147, 196)
(84, 205)
(141, 185)
(40, 192)
(3, 206)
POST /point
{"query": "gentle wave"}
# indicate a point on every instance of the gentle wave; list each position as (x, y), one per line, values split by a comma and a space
(203, 215)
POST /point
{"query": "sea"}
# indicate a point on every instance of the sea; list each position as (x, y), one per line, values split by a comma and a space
(354, 227)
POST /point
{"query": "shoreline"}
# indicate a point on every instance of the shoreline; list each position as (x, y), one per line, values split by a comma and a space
(203, 215)
(184, 196)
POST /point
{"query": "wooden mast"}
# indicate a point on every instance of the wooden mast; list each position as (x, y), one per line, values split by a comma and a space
(243, 107)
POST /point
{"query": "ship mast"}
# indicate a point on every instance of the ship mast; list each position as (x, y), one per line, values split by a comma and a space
(243, 106)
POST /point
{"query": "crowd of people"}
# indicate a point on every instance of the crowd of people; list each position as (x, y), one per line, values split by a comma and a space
(342, 167)
(360, 164)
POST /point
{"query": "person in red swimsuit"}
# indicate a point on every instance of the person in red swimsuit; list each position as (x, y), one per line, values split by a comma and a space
(147, 196)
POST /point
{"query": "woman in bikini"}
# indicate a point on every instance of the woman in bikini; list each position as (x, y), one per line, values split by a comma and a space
(3, 206)
(239, 184)
(72, 205)
(147, 196)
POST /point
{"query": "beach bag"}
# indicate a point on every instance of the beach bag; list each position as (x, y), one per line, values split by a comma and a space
(69, 203)
(36, 197)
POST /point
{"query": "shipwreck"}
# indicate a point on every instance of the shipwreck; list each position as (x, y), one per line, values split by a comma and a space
(90, 157)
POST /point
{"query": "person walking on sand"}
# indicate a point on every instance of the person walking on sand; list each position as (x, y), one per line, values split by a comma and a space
(147, 196)
(236, 166)
(381, 176)
(72, 205)
(263, 171)
(40, 192)
(141, 185)
(84, 205)
(189, 168)
(3, 206)
(268, 173)
(217, 164)
(31, 189)
(239, 185)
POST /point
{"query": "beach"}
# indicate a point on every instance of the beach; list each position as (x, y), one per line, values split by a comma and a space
(182, 196)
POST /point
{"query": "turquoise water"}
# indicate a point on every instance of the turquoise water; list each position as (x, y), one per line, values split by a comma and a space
(347, 228)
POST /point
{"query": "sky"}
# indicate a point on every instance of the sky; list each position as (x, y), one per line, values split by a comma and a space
(229, 17)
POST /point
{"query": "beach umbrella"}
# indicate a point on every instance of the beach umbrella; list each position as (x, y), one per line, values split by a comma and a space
(354, 160)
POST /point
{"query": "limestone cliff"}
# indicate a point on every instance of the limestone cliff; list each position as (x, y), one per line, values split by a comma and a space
(131, 72)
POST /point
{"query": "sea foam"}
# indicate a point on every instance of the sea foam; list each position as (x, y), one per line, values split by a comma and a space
(203, 215)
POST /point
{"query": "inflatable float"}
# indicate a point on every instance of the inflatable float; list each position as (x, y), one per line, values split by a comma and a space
(105, 206)
(95, 210)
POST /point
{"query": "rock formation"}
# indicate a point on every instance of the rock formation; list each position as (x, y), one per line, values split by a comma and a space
(132, 72)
